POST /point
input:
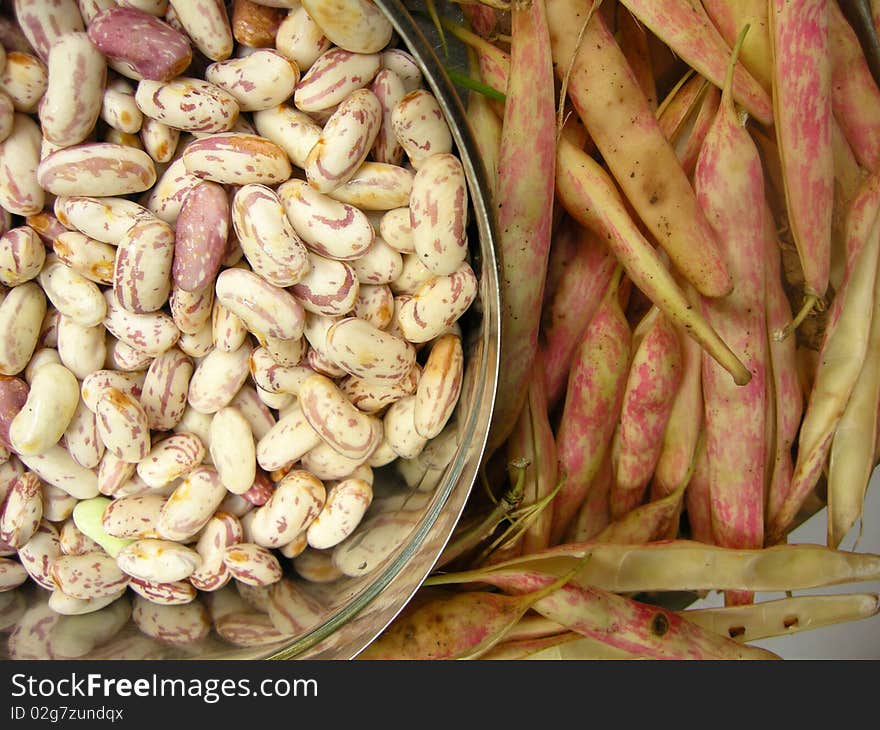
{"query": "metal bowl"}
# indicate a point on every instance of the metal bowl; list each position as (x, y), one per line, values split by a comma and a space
(354, 610)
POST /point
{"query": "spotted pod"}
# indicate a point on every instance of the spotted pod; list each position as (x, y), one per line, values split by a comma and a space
(350, 432)
(345, 506)
(122, 425)
(142, 272)
(104, 219)
(21, 511)
(171, 458)
(356, 25)
(87, 576)
(39, 553)
(369, 353)
(190, 505)
(438, 303)
(261, 80)
(217, 378)
(21, 192)
(237, 158)
(268, 240)
(201, 236)
(206, 22)
(161, 561)
(21, 315)
(152, 333)
(345, 141)
(141, 45)
(24, 80)
(266, 310)
(333, 77)
(132, 518)
(97, 169)
(297, 500)
(438, 213)
(330, 228)
(188, 104)
(73, 63)
(252, 564)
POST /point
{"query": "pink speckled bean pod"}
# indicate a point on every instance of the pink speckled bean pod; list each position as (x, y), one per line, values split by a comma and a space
(165, 387)
(266, 236)
(22, 255)
(333, 77)
(151, 333)
(266, 310)
(22, 510)
(20, 189)
(171, 458)
(296, 502)
(356, 25)
(44, 23)
(142, 272)
(201, 236)
(140, 45)
(345, 141)
(237, 158)
(122, 425)
(437, 304)
(330, 228)
(261, 80)
(206, 22)
(74, 63)
(91, 575)
(252, 564)
(97, 169)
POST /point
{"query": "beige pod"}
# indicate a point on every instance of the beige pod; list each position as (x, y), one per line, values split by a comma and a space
(191, 311)
(217, 378)
(332, 78)
(174, 625)
(74, 541)
(56, 467)
(165, 199)
(142, 272)
(22, 255)
(122, 425)
(345, 141)
(47, 412)
(58, 505)
(73, 64)
(412, 275)
(297, 500)
(376, 186)
(39, 552)
(72, 294)
(437, 305)
(372, 396)
(261, 80)
(233, 450)
(237, 158)
(104, 219)
(164, 392)
(158, 560)
(374, 304)
(132, 518)
(287, 441)
(369, 353)
(420, 127)
(301, 39)
(395, 228)
(400, 430)
(171, 458)
(389, 90)
(350, 432)
(356, 25)
(187, 104)
(81, 437)
(41, 357)
(330, 228)
(206, 22)
(380, 264)
(91, 575)
(97, 383)
(266, 310)
(22, 510)
(258, 416)
(268, 240)
(12, 575)
(89, 258)
(20, 189)
(152, 333)
(21, 316)
(118, 107)
(157, 139)
(97, 169)
(287, 353)
(439, 213)
(191, 505)
(347, 501)
(252, 564)
(24, 79)
(271, 377)
(222, 530)
(228, 331)
(291, 129)
(328, 464)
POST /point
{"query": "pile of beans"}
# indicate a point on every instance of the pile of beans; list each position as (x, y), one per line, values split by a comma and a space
(234, 257)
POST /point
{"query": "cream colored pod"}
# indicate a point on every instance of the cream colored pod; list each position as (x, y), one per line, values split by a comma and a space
(123, 426)
(21, 316)
(188, 104)
(98, 169)
(191, 505)
(171, 458)
(206, 22)
(297, 500)
(346, 503)
(261, 80)
(369, 353)
(355, 25)
(233, 450)
(47, 412)
(74, 95)
(20, 190)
